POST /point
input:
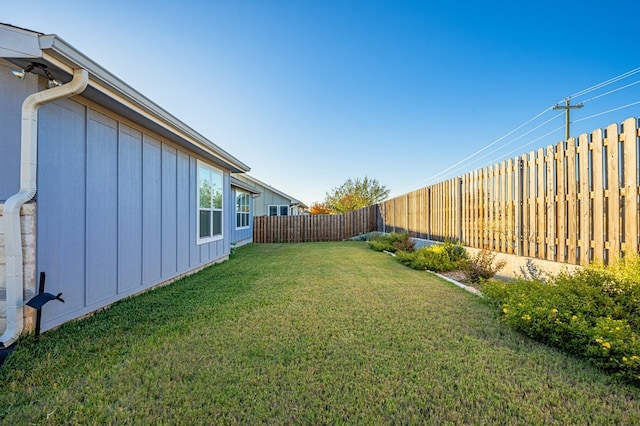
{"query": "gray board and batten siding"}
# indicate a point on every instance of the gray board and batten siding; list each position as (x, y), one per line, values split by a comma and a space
(116, 208)
(12, 93)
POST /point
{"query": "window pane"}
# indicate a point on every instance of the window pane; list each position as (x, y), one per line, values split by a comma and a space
(273, 210)
(204, 186)
(217, 223)
(205, 223)
(216, 187)
(284, 210)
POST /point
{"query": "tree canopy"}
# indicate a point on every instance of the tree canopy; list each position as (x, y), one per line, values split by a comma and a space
(355, 194)
(320, 208)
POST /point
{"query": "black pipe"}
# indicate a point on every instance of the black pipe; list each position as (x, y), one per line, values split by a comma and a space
(43, 276)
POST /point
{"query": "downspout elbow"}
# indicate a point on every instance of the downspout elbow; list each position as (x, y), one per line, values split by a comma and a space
(28, 188)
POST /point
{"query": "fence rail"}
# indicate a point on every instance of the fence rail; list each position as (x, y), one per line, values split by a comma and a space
(311, 228)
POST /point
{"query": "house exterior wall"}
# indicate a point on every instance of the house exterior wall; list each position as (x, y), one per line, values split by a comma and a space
(117, 209)
(270, 199)
(243, 235)
(12, 93)
(28, 227)
(267, 198)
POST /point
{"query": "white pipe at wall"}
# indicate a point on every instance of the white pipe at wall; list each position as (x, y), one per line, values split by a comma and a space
(28, 186)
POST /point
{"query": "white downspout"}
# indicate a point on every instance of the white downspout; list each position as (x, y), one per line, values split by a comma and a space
(28, 185)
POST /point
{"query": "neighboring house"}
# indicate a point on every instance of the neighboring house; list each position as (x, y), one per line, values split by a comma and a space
(242, 229)
(272, 202)
(100, 188)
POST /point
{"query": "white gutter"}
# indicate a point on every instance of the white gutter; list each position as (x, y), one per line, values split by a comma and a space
(28, 185)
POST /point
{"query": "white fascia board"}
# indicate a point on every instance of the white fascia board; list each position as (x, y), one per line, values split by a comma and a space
(53, 48)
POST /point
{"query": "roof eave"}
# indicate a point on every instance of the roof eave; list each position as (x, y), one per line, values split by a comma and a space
(292, 200)
(55, 49)
(243, 185)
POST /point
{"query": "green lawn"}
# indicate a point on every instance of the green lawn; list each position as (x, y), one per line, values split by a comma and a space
(316, 333)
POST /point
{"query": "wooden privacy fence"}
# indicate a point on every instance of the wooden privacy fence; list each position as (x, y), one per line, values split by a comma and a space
(311, 228)
(573, 202)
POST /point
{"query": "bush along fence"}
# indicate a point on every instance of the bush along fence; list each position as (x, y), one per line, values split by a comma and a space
(311, 228)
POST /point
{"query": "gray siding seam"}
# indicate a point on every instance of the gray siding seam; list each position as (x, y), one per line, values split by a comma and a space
(160, 204)
(118, 265)
(142, 171)
(177, 213)
(86, 171)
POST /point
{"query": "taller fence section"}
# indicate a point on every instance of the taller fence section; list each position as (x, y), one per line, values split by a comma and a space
(573, 202)
(312, 228)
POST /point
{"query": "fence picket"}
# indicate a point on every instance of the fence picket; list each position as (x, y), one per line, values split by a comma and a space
(560, 199)
(613, 192)
(586, 213)
(630, 184)
(571, 202)
(532, 200)
(597, 219)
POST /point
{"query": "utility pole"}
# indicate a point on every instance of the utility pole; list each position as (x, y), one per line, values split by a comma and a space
(567, 107)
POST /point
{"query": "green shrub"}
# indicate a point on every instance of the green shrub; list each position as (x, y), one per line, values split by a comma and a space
(482, 266)
(592, 313)
(392, 242)
(436, 258)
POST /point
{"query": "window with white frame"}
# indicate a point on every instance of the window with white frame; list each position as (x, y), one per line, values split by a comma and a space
(275, 210)
(210, 196)
(242, 210)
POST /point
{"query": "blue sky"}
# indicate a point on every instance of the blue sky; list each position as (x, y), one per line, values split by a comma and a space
(311, 93)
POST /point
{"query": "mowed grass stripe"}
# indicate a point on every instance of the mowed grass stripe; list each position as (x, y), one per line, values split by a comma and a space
(304, 333)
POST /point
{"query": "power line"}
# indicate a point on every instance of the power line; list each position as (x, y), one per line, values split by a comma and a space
(522, 136)
(508, 154)
(605, 83)
(577, 94)
(510, 142)
(611, 91)
(608, 111)
(488, 146)
(525, 145)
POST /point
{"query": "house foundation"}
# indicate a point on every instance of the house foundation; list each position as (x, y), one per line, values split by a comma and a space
(28, 230)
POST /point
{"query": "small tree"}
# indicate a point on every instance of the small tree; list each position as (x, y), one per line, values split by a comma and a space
(320, 208)
(355, 194)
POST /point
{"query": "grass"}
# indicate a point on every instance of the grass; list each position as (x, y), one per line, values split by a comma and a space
(316, 333)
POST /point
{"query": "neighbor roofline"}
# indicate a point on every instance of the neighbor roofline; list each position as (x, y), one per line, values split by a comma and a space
(294, 201)
(243, 185)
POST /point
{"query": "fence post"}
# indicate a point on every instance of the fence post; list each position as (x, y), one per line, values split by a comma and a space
(429, 210)
(518, 192)
(407, 214)
(459, 209)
